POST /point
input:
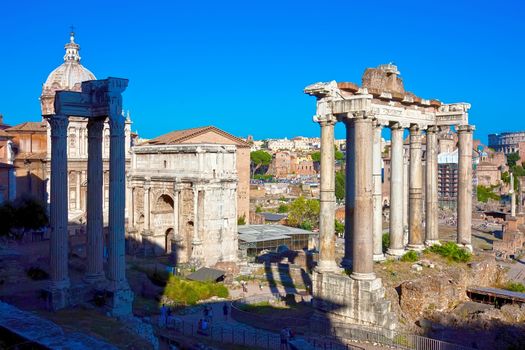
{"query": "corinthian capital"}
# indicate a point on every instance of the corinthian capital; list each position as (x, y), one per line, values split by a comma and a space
(59, 123)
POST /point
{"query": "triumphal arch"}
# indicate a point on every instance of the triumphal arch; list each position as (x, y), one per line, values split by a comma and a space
(97, 100)
(381, 101)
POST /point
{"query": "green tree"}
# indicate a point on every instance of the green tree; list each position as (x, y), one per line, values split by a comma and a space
(484, 193)
(283, 208)
(26, 213)
(340, 185)
(258, 159)
(316, 156)
(339, 227)
(304, 212)
(512, 158)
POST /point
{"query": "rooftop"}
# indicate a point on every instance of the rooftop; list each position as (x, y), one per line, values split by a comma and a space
(261, 233)
(180, 136)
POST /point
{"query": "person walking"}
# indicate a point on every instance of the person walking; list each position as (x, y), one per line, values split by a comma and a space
(225, 310)
(284, 335)
(210, 315)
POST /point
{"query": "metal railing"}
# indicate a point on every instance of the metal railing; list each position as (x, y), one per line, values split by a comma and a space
(337, 333)
(252, 338)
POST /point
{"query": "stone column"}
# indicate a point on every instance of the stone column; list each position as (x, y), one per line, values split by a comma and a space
(95, 232)
(196, 255)
(464, 210)
(377, 195)
(431, 190)
(362, 264)
(59, 248)
(415, 215)
(512, 196)
(77, 191)
(327, 193)
(396, 192)
(147, 208)
(117, 202)
(349, 192)
(131, 207)
(405, 195)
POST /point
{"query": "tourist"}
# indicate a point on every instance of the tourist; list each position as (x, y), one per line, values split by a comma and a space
(225, 310)
(210, 315)
(205, 311)
(260, 285)
(204, 326)
(163, 316)
(284, 335)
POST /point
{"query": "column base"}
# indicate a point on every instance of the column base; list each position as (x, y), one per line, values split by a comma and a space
(395, 252)
(363, 276)
(58, 295)
(340, 299)
(327, 266)
(121, 303)
(416, 247)
(379, 257)
(431, 242)
(466, 246)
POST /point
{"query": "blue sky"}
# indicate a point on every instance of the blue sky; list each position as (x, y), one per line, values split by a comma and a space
(242, 65)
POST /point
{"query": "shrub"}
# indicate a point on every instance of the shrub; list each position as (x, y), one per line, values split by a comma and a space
(385, 241)
(451, 251)
(188, 292)
(515, 287)
(241, 220)
(410, 256)
(283, 208)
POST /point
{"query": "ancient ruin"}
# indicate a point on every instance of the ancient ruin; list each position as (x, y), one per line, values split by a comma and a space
(381, 101)
(98, 100)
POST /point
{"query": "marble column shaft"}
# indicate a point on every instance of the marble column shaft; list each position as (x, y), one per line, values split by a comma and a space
(117, 202)
(327, 196)
(464, 200)
(77, 191)
(147, 209)
(377, 195)
(59, 247)
(431, 188)
(362, 264)
(396, 192)
(415, 215)
(349, 192)
(512, 196)
(94, 212)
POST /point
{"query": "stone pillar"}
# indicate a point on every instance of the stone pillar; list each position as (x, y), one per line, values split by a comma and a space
(415, 215)
(464, 209)
(512, 196)
(362, 264)
(95, 232)
(131, 207)
(349, 192)
(196, 243)
(147, 208)
(123, 297)
(327, 188)
(59, 247)
(405, 195)
(377, 195)
(77, 191)
(431, 190)
(396, 192)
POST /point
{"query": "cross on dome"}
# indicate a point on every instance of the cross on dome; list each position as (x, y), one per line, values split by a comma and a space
(72, 48)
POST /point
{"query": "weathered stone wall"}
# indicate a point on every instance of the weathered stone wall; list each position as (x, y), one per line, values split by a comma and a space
(445, 290)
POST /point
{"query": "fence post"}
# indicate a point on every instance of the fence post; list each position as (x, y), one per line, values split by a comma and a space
(233, 336)
(244, 337)
(267, 340)
(192, 329)
(222, 334)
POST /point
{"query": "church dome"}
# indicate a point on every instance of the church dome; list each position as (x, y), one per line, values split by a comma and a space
(68, 76)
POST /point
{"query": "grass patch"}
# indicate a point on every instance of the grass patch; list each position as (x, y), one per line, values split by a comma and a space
(515, 287)
(410, 256)
(451, 252)
(263, 307)
(186, 292)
